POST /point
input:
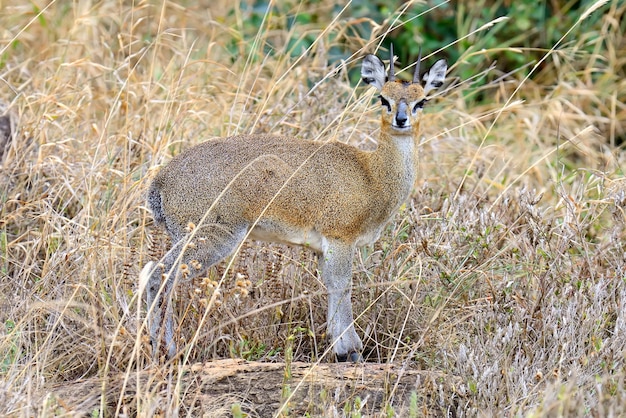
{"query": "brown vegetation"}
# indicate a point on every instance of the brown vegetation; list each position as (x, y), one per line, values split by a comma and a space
(504, 276)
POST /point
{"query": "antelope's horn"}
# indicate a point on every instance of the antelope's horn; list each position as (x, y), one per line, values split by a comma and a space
(392, 74)
(416, 75)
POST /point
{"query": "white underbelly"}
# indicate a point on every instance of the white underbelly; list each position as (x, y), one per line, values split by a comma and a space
(286, 235)
(369, 238)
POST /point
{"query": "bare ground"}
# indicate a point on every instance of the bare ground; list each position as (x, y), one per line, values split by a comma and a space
(264, 389)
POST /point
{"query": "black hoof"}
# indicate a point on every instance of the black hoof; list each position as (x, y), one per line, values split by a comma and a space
(353, 357)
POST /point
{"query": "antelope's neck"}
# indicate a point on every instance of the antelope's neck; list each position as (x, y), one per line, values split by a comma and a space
(397, 160)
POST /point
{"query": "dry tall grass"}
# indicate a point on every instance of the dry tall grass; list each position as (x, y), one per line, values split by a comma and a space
(506, 270)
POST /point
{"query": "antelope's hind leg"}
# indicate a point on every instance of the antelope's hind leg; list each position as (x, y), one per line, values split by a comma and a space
(206, 247)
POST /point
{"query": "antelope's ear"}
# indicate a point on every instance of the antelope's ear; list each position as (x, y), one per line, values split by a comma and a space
(434, 78)
(373, 71)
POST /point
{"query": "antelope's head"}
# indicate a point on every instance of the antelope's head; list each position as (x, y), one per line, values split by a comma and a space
(402, 101)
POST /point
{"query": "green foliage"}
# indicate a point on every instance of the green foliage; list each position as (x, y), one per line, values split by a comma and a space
(390, 411)
(301, 24)
(4, 255)
(529, 31)
(413, 408)
(11, 355)
(237, 411)
(251, 350)
(353, 409)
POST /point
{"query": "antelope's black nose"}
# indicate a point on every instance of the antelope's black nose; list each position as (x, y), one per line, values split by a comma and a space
(401, 115)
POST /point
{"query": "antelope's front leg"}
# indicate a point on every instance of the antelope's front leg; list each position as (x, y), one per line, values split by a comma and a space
(336, 266)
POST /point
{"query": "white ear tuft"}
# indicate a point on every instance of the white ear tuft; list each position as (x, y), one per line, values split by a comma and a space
(435, 76)
(373, 71)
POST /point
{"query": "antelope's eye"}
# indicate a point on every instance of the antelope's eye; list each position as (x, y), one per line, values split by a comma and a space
(419, 105)
(385, 103)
